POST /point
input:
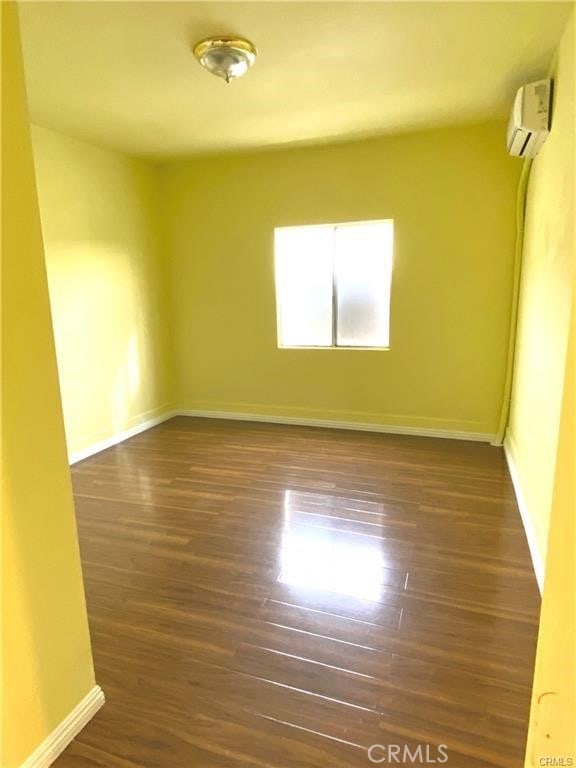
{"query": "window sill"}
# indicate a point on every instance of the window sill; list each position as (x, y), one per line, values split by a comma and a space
(346, 349)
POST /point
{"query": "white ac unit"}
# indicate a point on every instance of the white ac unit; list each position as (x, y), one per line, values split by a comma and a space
(529, 122)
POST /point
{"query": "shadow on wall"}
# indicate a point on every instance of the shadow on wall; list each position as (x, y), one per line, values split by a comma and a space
(108, 346)
(108, 286)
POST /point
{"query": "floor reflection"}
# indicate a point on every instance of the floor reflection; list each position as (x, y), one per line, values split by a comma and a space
(320, 551)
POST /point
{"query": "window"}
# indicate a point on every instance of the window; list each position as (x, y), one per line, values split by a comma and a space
(333, 284)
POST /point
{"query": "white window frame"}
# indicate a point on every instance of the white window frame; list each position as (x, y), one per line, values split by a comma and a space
(334, 344)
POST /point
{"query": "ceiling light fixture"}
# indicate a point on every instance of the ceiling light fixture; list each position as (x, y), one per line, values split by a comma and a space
(226, 57)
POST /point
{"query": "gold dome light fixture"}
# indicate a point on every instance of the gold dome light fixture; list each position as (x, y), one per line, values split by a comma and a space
(226, 57)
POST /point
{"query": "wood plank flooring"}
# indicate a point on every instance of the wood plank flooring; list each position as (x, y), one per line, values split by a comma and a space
(279, 596)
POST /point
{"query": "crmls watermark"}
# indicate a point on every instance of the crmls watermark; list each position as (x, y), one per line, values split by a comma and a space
(403, 754)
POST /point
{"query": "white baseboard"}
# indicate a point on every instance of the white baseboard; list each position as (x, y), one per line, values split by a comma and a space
(76, 456)
(54, 744)
(101, 445)
(392, 429)
(537, 561)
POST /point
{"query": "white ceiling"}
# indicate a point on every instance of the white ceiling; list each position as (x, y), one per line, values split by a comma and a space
(122, 74)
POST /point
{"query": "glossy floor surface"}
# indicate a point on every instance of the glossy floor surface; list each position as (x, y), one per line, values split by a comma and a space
(265, 595)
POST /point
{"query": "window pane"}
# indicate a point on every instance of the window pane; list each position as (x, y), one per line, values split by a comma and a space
(304, 286)
(363, 271)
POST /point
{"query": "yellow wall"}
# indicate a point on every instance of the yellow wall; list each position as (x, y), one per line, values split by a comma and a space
(46, 655)
(544, 439)
(107, 286)
(545, 300)
(451, 194)
(553, 713)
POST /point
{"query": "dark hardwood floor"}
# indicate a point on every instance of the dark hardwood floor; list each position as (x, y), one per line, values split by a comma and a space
(265, 595)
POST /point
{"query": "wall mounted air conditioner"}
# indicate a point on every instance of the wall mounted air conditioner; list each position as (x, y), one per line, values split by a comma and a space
(529, 122)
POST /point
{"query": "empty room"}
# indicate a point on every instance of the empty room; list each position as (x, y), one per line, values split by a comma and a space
(288, 384)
